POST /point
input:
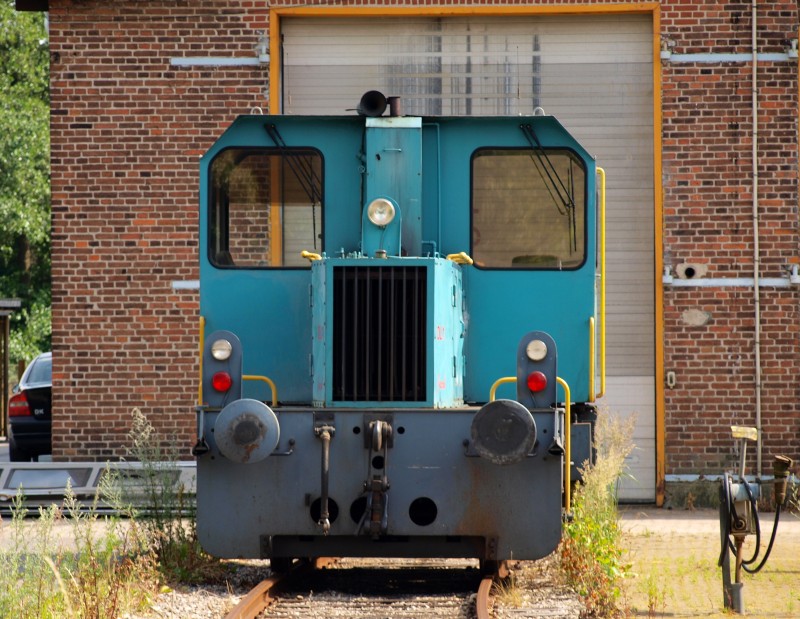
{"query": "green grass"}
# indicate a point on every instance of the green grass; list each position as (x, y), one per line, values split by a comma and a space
(115, 558)
(104, 569)
(674, 572)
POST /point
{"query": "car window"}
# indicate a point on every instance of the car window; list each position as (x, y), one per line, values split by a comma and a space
(42, 371)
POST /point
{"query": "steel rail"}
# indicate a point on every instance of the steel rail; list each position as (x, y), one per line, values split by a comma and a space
(482, 609)
(257, 600)
(482, 601)
(260, 596)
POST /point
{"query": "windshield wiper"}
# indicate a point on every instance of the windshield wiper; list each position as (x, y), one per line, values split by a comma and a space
(561, 194)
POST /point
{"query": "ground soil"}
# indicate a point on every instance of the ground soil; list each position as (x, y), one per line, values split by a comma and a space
(674, 573)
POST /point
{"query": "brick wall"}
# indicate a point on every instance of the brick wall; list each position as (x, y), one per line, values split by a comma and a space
(127, 131)
(708, 223)
(128, 128)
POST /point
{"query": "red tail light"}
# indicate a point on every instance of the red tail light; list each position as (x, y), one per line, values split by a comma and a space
(18, 406)
(221, 381)
(537, 381)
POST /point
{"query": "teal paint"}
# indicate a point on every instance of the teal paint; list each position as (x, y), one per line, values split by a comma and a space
(270, 309)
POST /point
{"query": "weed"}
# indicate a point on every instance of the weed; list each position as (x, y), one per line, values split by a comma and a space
(25, 578)
(116, 558)
(656, 591)
(168, 517)
(105, 572)
(507, 592)
(590, 552)
(111, 569)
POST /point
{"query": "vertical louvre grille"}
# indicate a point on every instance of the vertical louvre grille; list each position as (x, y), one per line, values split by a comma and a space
(379, 334)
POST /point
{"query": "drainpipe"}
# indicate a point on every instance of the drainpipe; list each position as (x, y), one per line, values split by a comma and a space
(756, 248)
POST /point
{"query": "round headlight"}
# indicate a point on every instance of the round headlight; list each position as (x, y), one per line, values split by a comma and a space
(536, 350)
(221, 350)
(381, 212)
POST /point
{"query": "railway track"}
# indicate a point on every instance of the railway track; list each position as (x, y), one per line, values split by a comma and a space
(358, 588)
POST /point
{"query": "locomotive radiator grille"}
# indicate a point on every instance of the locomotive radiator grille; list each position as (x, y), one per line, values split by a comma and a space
(379, 327)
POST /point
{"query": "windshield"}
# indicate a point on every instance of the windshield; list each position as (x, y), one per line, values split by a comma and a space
(528, 209)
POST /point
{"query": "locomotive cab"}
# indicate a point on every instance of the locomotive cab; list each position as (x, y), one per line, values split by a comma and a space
(365, 282)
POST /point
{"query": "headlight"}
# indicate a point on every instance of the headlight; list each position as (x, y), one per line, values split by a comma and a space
(221, 350)
(381, 212)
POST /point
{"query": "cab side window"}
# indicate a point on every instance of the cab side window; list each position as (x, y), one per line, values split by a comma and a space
(265, 207)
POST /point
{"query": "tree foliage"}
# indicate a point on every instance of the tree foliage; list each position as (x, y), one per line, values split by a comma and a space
(25, 177)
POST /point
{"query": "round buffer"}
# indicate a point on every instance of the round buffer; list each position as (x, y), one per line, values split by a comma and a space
(503, 432)
(246, 431)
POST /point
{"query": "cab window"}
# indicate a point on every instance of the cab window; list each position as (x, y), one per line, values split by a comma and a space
(528, 209)
(265, 207)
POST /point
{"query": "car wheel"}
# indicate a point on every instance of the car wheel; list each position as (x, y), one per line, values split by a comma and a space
(15, 454)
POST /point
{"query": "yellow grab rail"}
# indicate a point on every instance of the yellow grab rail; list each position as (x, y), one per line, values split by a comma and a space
(497, 383)
(202, 345)
(244, 377)
(602, 223)
(460, 258)
(567, 431)
(591, 359)
(266, 380)
(567, 444)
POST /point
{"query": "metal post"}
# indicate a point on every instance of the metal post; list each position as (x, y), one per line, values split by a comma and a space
(7, 306)
(4, 353)
(732, 592)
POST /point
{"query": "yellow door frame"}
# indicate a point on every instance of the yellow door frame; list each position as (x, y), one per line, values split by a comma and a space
(276, 14)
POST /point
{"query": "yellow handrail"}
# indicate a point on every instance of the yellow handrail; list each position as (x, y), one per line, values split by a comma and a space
(591, 359)
(266, 380)
(460, 258)
(567, 431)
(567, 444)
(497, 383)
(602, 223)
(244, 377)
(202, 345)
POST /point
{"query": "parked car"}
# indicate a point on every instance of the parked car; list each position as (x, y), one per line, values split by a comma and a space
(29, 422)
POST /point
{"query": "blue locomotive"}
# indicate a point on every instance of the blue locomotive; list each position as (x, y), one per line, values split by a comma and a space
(368, 285)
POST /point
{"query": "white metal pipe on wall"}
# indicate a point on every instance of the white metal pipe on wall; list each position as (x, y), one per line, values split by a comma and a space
(756, 246)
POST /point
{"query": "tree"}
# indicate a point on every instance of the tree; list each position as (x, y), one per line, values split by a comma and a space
(25, 177)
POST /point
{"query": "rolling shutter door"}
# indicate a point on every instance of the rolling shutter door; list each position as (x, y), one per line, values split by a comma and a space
(593, 72)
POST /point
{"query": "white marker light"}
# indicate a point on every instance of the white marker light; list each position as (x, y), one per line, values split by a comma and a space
(536, 350)
(221, 350)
